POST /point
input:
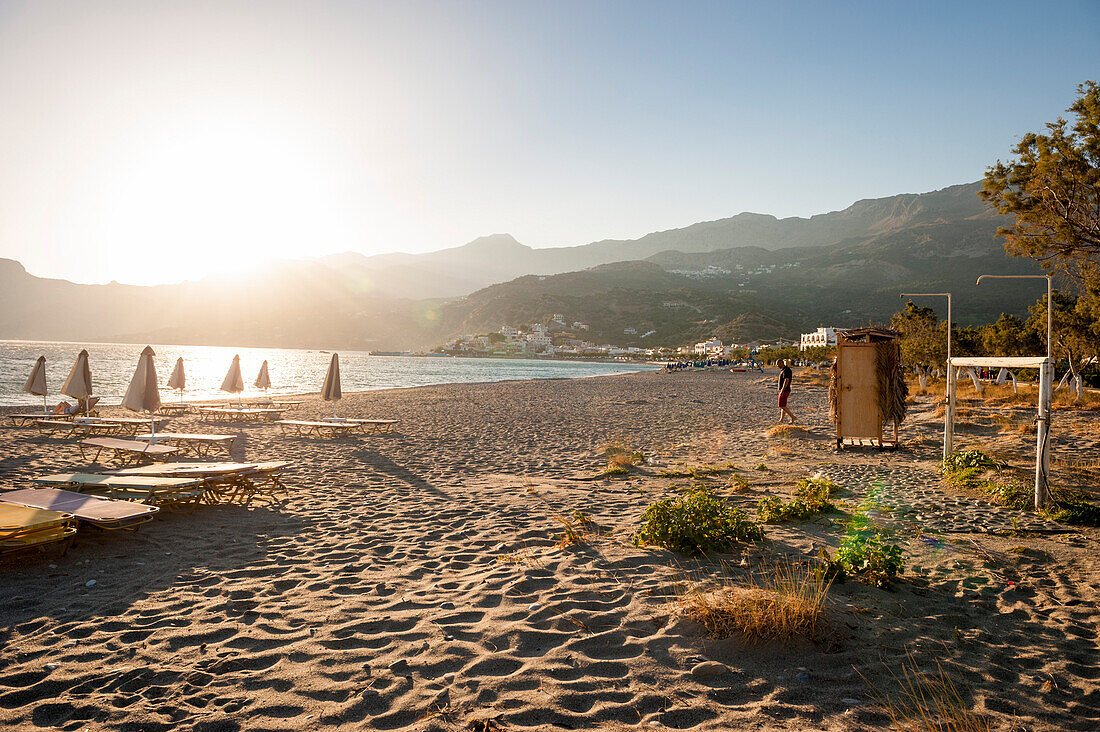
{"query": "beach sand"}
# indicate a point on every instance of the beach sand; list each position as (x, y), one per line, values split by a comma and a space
(416, 580)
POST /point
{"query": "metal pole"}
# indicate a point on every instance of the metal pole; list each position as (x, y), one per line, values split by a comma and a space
(1050, 319)
(1042, 452)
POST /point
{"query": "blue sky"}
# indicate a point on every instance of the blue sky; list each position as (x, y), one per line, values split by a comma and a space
(215, 135)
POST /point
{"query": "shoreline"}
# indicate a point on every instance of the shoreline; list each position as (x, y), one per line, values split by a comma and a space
(170, 397)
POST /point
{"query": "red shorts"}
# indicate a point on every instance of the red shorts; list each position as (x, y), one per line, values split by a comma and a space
(783, 398)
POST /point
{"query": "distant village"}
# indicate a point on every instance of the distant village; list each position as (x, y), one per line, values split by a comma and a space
(560, 338)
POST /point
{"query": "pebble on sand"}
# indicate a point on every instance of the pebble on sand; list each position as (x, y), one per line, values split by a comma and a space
(708, 668)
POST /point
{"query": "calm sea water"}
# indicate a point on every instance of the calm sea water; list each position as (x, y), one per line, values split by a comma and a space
(292, 371)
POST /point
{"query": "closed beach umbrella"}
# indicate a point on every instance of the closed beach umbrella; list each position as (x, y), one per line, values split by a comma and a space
(144, 394)
(263, 381)
(178, 380)
(330, 392)
(36, 383)
(234, 382)
(79, 383)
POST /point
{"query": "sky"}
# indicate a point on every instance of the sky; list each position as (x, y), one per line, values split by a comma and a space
(148, 142)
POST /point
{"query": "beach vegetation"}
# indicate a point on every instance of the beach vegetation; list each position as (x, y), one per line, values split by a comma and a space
(696, 523)
(619, 453)
(927, 701)
(701, 471)
(866, 556)
(613, 471)
(737, 482)
(786, 603)
(762, 468)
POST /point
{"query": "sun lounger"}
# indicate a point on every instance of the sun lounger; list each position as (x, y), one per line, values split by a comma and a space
(227, 481)
(104, 513)
(242, 414)
(27, 419)
(129, 425)
(199, 444)
(172, 408)
(278, 404)
(22, 527)
(126, 450)
(146, 488)
(367, 425)
(303, 427)
(77, 429)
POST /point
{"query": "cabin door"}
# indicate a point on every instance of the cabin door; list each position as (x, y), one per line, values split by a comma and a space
(858, 415)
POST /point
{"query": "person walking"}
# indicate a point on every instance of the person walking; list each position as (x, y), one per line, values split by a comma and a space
(785, 376)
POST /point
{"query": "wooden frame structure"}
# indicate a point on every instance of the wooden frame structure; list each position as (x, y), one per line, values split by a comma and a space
(1045, 366)
(857, 407)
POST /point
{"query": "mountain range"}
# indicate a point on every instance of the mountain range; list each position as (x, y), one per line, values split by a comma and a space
(746, 277)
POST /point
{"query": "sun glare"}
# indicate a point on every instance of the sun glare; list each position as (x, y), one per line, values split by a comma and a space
(216, 195)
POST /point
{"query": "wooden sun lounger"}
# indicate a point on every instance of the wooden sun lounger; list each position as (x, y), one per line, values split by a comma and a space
(303, 427)
(199, 444)
(22, 527)
(126, 450)
(171, 408)
(229, 414)
(367, 425)
(27, 419)
(227, 481)
(146, 488)
(129, 425)
(77, 429)
(103, 513)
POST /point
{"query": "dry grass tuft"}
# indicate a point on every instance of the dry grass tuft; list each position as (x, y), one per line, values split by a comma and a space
(786, 604)
(1065, 399)
(784, 430)
(924, 701)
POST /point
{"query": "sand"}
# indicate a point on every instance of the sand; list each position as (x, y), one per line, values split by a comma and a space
(416, 581)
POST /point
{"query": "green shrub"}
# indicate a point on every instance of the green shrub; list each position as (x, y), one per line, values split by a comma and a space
(1074, 510)
(694, 523)
(1012, 495)
(866, 555)
(816, 487)
(965, 459)
(812, 497)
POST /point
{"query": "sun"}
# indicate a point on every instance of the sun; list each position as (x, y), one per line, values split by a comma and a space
(217, 193)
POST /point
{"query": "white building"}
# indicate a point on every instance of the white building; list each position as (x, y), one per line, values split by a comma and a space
(579, 325)
(703, 348)
(507, 330)
(559, 318)
(820, 337)
(541, 341)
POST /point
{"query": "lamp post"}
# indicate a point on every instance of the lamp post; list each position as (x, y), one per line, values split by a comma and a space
(1050, 301)
(949, 401)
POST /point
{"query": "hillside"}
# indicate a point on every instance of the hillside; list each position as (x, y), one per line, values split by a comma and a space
(750, 293)
(790, 276)
(500, 258)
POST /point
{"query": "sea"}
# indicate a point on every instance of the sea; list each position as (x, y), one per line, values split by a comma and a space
(292, 371)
